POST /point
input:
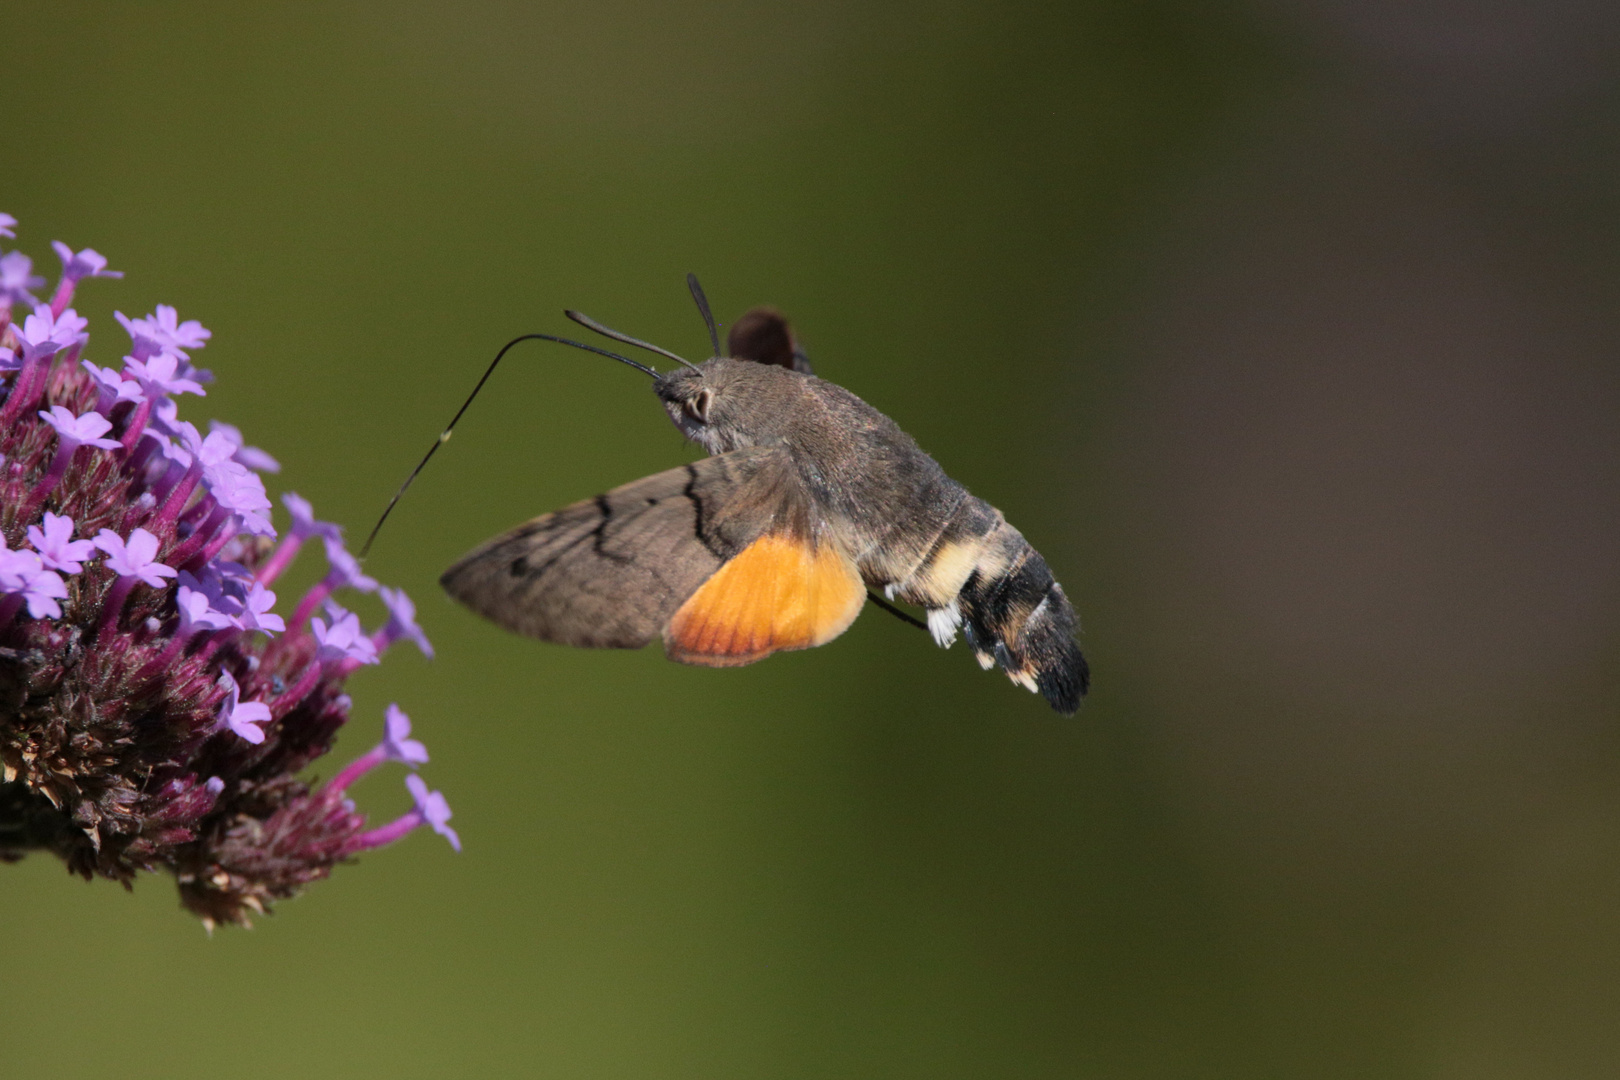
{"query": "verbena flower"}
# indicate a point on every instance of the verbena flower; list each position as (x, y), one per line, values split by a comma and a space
(16, 278)
(401, 622)
(249, 456)
(77, 265)
(56, 546)
(156, 713)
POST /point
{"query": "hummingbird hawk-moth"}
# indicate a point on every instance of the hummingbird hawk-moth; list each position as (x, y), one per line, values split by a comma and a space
(810, 497)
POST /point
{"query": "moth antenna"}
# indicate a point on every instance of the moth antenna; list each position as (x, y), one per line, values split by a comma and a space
(896, 612)
(444, 436)
(591, 324)
(703, 309)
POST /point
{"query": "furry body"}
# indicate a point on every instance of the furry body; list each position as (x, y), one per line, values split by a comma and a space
(824, 493)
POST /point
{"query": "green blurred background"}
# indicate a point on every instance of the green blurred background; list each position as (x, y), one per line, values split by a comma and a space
(1286, 331)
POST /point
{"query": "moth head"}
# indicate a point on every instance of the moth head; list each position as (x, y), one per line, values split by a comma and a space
(725, 405)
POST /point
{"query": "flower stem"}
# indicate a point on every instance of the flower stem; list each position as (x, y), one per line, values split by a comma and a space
(169, 510)
(387, 834)
(200, 536)
(53, 476)
(137, 423)
(311, 601)
(224, 536)
(113, 605)
(279, 559)
(357, 768)
(63, 296)
(23, 392)
(298, 690)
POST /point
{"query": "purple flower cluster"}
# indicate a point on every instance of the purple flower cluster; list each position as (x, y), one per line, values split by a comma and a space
(155, 710)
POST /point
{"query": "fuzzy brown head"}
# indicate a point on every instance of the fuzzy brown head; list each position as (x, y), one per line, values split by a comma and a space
(725, 405)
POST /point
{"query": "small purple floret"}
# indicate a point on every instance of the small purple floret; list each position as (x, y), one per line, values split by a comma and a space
(83, 430)
(16, 278)
(343, 640)
(7, 225)
(234, 487)
(164, 332)
(134, 558)
(160, 375)
(70, 327)
(256, 613)
(242, 492)
(23, 574)
(112, 386)
(242, 717)
(180, 335)
(401, 621)
(210, 582)
(345, 569)
(433, 807)
(197, 612)
(397, 745)
(75, 267)
(38, 335)
(248, 456)
(83, 264)
(303, 514)
(303, 527)
(56, 546)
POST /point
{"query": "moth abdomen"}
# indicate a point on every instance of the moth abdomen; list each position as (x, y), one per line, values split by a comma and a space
(1017, 617)
(1062, 675)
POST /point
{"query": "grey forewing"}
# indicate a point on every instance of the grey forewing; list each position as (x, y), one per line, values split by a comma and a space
(608, 572)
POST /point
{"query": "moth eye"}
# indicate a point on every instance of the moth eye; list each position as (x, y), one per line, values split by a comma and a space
(698, 407)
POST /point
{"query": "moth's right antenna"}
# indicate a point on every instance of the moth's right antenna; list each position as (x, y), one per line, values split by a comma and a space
(703, 309)
(444, 436)
(618, 335)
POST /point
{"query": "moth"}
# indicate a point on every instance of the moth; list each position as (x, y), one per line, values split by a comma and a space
(809, 498)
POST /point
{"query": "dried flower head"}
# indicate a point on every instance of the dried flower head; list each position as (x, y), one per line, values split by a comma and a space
(155, 711)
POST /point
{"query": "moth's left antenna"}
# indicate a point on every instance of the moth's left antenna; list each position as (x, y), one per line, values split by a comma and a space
(703, 309)
(444, 436)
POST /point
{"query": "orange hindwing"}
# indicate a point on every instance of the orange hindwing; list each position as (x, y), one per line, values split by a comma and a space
(777, 593)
